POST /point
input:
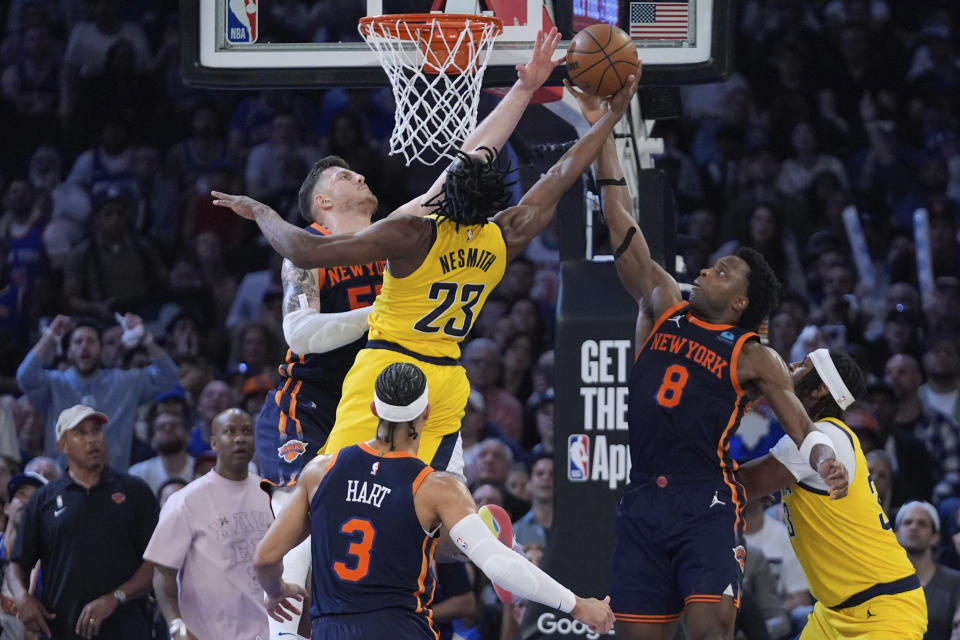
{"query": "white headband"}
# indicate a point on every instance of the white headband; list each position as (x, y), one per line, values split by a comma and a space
(829, 375)
(395, 413)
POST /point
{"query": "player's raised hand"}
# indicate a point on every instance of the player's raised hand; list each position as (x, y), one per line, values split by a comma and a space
(835, 475)
(591, 106)
(594, 613)
(621, 99)
(534, 73)
(243, 206)
(281, 607)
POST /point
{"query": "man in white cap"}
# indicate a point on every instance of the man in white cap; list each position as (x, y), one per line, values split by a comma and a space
(89, 528)
(860, 575)
(20, 488)
(918, 530)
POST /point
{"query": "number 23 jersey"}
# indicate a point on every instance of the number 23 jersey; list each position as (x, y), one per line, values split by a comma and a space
(685, 399)
(431, 310)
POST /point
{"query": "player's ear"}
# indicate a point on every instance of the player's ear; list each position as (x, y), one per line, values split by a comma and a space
(821, 391)
(426, 412)
(373, 408)
(740, 303)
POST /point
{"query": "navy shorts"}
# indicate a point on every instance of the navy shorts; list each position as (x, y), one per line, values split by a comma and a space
(290, 435)
(678, 541)
(384, 623)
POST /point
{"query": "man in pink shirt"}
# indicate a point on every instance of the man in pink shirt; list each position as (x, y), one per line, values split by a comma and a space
(207, 534)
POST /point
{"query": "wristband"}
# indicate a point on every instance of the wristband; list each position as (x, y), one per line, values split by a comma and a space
(813, 439)
(626, 243)
(611, 182)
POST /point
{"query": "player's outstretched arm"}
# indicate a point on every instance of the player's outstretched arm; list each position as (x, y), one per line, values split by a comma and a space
(305, 329)
(290, 528)
(494, 131)
(761, 367)
(399, 237)
(444, 497)
(531, 216)
(763, 476)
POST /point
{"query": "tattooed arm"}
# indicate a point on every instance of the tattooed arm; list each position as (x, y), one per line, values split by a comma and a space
(307, 330)
(297, 282)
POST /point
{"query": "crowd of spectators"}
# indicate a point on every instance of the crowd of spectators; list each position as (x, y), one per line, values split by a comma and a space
(108, 159)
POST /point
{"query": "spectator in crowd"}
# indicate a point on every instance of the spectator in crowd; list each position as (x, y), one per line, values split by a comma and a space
(483, 362)
(940, 434)
(203, 545)
(168, 488)
(168, 436)
(215, 397)
(264, 174)
(20, 488)
(487, 493)
(453, 602)
(116, 391)
(540, 516)
(44, 466)
(490, 463)
(918, 530)
(762, 607)
(543, 417)
(881, 470)
(770, 537)
(941, 392)
(518, 481)
(89, 530)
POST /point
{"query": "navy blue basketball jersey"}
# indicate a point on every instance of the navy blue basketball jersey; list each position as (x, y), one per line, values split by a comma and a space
(341, 289)
(369, 550)
(685, 399)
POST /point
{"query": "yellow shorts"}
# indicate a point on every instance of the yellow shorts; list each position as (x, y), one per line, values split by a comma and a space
(448, 388)
(902, 616)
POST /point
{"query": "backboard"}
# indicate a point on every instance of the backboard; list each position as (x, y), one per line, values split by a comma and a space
(262, 44)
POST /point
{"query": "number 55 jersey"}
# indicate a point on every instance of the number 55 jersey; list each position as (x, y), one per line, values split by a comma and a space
(421, 318)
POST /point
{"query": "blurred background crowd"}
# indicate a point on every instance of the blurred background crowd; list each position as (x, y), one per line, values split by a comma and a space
(107, 160)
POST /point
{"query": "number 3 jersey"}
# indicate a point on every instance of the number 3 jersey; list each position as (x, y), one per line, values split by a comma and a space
(369, 550)
(685, 399)
(431, 310)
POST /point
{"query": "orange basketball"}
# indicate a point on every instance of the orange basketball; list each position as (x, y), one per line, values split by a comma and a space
(600, 58)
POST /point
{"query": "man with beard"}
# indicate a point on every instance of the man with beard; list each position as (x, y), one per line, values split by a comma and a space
(918, 530)
(89, 530)
(116, 392)
(168, 437)
(20, 488)
(203, 545)
(859, 574)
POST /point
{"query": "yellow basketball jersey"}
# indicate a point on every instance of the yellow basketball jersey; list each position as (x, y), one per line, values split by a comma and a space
(432, 310)
(845, 546)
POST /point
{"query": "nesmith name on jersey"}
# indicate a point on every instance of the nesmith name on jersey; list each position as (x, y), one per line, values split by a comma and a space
(479, 258)
(692, 350)
(359, 492)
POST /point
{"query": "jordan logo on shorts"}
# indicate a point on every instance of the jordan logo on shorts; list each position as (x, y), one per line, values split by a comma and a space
(716, 501)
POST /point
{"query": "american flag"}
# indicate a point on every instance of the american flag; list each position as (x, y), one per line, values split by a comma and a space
(659, 20)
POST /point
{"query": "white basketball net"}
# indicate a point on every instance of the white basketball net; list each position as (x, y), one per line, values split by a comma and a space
(435, 112)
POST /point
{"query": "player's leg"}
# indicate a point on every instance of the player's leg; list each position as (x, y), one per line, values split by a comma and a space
(440, 443)
(643, 591)
(355, 422)
(711, 620)
(709, 556)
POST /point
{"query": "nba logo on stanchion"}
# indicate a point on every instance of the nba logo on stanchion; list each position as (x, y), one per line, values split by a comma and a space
(578, 458)
(241, 21)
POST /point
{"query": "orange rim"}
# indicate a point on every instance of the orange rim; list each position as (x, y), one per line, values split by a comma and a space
(451, 24)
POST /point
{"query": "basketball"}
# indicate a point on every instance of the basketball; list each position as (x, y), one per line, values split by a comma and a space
(600, 58)
(498, 520)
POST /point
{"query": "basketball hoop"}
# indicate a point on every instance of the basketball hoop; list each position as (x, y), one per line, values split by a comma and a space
(435, 63)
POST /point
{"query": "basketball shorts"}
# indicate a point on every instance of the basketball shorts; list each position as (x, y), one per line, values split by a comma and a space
(448, 390)
(383, 623)
(678, 542)
(290, 434)
(901, 616)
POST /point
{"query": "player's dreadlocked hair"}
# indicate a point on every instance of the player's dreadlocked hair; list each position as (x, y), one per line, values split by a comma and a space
(827, 407)
(305, 195)
(475, 189)
(400, 384)
(763, 289)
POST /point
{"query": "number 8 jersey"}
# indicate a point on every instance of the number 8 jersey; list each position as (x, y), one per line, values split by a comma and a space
(685, 399)
(431, 310)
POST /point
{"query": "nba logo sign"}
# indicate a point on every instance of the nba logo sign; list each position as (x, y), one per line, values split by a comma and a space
(578, 457)
(241, 21)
